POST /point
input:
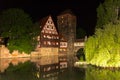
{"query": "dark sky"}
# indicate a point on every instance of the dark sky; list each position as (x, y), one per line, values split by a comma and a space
(85, 10)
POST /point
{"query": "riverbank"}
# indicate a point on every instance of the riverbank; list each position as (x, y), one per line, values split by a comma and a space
(82, 64)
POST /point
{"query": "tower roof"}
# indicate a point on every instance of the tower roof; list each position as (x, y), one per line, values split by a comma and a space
(68, 11)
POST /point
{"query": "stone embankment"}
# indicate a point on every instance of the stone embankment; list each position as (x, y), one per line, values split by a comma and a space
(81, 64)
(5, 53)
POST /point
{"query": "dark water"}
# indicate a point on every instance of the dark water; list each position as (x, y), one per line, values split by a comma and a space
(51, 68)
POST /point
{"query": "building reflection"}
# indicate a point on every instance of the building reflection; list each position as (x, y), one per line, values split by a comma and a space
(5, 62)
(48, 67)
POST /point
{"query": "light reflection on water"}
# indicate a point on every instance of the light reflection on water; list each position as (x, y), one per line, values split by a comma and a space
(51, 68)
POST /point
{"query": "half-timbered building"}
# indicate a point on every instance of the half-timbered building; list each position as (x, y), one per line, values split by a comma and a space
(49, 37)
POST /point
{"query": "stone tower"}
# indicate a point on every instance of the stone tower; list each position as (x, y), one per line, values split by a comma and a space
(66, 22)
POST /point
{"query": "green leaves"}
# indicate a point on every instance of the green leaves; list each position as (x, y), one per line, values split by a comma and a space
(107, 12)
(103, 48)
(17, 25)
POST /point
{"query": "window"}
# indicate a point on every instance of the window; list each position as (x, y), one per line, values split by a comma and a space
(47, 26)
(56, 43)
(43, 31)
(44, 36)
(49, 43)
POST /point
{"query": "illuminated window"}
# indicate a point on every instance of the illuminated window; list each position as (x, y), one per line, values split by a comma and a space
(38, 38)
(60, 49)
(57, 37)
(44, 36)
(56, 43)
(42, 31)
(48, 36)
(49, 43)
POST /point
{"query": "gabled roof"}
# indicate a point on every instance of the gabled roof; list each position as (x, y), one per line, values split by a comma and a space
(43, 21)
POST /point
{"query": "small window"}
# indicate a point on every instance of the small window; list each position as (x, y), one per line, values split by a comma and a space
(44, 36)
(56, 43)
(47, 26)
(49, 43)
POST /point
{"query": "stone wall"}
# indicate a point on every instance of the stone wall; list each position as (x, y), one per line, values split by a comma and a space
(5, 53)
(48, 51)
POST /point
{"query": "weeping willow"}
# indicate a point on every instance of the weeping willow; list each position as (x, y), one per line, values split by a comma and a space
(103, 48)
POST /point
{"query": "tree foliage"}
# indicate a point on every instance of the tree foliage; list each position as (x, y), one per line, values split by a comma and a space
(17, 26)
(107, 11)
(103, 48)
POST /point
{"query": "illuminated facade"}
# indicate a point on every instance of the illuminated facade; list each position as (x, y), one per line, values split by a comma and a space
(60, 39)
(49, 37)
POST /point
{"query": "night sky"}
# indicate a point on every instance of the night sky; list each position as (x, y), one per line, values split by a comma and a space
(85, 10)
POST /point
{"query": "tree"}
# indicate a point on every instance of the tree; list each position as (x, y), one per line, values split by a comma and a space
(16, 25)
(103, 49)
(107, 11)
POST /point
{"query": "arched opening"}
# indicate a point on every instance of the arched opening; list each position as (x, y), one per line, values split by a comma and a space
(80, 54)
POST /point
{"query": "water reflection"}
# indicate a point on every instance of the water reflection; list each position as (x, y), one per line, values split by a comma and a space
(47, 66)
(4, 63)
(102, 74)
(51, 68)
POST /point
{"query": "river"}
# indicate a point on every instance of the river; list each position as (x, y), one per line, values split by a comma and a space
(51, 68)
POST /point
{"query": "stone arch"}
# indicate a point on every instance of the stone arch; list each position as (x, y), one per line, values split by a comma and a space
(80, 54)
